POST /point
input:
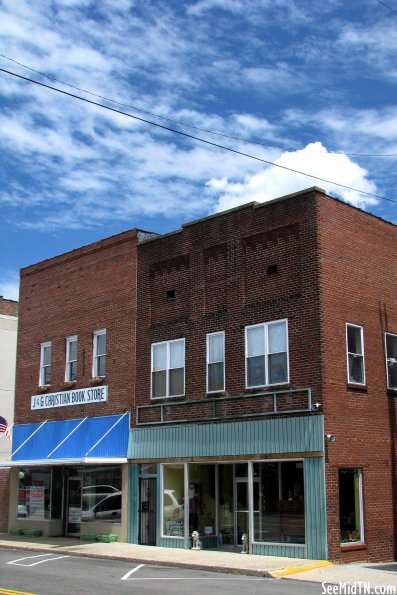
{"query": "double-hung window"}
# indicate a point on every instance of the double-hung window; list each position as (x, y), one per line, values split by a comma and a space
(355, 354)
(391, 360)
(71, 359)
(266, 354)
(99, 355)
(215, 362)
(168, 369)
(45, 364)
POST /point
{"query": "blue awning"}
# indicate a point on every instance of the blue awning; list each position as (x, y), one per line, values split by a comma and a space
(82, 440)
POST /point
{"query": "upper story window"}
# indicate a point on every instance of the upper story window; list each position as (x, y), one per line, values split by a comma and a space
(215, 362)
(99, 355)
(71, 359)
(355, 354)
(168, 369)
(391, 360)
(45, 364)
(266, 351)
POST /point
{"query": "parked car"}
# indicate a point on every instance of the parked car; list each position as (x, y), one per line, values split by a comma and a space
(173, 505)
(107, 509)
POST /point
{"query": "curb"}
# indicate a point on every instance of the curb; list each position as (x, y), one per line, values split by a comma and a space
(290, 570)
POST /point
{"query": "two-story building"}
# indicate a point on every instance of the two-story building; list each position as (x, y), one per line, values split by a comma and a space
(250, 358)
(266, 392)
(74, 389)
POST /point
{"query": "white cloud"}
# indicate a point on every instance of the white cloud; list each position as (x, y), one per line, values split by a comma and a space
(274, 181)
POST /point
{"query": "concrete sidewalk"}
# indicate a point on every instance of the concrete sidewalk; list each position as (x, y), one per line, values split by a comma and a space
(215, 560)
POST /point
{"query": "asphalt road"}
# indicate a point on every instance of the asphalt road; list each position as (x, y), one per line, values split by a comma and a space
(56, 573)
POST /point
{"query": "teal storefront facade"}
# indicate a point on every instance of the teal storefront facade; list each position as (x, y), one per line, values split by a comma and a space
(261, 478)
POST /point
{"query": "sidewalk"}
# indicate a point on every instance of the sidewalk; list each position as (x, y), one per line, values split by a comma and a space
(270, 566)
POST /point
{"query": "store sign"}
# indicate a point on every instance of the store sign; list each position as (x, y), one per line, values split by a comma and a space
(66, 398)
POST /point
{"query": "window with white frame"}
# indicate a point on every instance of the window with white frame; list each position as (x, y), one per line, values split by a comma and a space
(168, 369)
(391, 360)
(215, 362)
(266, 351)
(71, 359)
(355, 354)
(45, 364)
(99, 355)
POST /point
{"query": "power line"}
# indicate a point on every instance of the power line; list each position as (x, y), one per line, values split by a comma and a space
(186, 135)
(387, 6)
(220, 134)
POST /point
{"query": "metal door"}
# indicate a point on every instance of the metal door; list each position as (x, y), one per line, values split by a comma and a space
(73, 506)
(147, 510)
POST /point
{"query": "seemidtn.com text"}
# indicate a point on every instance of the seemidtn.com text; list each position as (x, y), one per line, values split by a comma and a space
(358, 588)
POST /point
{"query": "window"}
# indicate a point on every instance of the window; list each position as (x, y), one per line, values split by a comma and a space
(215, 362)
(266, 348)
(71, 359)
(45, 364)
(39, 493)
(168, 369)
(173, 509)
(350, 506)
(391, 360)
(355, 354)
(279, 502)
(99, 359)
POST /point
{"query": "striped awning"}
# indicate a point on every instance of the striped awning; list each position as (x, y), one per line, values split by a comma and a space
(73, 441)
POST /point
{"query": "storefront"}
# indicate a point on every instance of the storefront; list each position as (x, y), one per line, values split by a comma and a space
(263, 479)
(69, 477)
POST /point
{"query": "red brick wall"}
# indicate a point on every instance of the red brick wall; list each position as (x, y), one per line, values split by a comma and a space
(218, 268)
(88, 289)
(359, 282)
(8, 307)
(4, 499)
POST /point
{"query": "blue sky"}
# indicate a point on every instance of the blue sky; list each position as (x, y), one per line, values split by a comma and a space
(304, 84)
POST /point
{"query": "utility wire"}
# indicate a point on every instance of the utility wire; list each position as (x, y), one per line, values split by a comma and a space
(220, 134)
(387, 6)
(186, 135)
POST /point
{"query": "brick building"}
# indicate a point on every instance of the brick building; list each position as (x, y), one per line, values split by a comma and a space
(8, 345)
(253, 354)
(266, 393)
(74, 389)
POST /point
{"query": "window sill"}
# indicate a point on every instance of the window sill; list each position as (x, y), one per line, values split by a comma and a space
(269, 388)
(351, 547)
(357, 387)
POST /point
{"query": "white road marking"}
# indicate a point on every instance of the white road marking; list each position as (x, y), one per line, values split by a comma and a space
(18, 562)
(126, 576)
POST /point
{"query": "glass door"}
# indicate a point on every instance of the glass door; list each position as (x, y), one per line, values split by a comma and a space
(73, 506)
(241, 509)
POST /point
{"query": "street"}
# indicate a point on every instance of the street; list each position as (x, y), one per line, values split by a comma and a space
(57, 573)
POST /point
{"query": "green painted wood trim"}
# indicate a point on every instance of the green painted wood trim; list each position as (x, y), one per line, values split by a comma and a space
(133, 504)
(282, 551)
(315, 506)
(249, 437)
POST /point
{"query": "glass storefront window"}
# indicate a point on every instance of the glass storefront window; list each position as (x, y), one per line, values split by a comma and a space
(101, 494)
(39, 493)
(279, 510)
(173, 501)
(202, 505)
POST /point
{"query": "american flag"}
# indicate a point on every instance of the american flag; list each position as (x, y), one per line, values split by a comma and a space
(5, 428)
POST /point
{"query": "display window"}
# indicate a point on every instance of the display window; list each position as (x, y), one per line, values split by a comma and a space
(173, 509)
(279, 503)
(39, 493)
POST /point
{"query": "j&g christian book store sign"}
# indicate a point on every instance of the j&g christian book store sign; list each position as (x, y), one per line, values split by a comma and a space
(81, 396)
